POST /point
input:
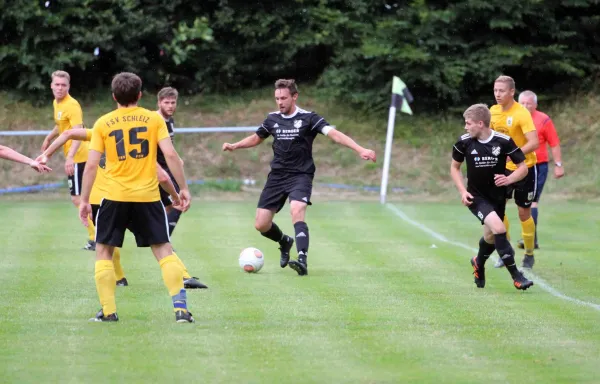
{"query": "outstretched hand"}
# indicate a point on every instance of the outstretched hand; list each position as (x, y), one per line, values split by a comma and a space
(368, 154)
(39, 167)
(228, 147)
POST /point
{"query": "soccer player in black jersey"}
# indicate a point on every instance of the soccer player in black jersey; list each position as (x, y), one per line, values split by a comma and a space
(167, 103)
(486, 152)
(292, 168)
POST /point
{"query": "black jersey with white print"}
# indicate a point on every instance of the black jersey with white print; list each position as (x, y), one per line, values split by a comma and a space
(293, 138)
(160, 156)
(484, 160)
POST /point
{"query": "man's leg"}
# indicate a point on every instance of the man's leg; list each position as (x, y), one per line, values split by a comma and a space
(298, 211)
(75, 183)
(106, 281)
(265, 225)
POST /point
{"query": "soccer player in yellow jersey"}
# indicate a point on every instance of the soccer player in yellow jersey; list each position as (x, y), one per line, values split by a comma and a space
(68, 115)
(514, 120)
(99, 189)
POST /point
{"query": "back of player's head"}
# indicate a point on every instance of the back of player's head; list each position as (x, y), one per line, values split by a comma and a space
(289, 84)
(61, 74)
(528, 94)
(126, 87)
(167, 93)
(478, 112)
(506, 80)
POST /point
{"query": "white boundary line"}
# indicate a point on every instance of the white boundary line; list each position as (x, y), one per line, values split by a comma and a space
(538, 281)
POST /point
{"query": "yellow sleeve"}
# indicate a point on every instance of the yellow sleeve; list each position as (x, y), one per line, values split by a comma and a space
(75, 114)
(163, 132)
(88, 135)
(97, 142)
(526, 122)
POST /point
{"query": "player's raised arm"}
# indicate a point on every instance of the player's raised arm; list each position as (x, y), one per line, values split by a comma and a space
(347, 141)
(12, 155)
(248, 142)
(53, 133)
(71, 134)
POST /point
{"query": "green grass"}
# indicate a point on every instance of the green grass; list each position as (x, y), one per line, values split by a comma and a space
(380, 304)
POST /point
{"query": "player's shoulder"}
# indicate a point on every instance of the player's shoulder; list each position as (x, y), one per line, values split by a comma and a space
(501, 136)
(464, 140)
(496, 108)
(542, 116)
(72, 102)
(521, 111)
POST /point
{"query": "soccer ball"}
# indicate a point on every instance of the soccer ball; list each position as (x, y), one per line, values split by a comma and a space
(251, 260)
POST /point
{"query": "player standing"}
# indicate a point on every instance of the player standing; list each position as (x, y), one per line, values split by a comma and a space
(292, 169)
(514, 120)
(167, 104)
(485, 152)
(130, 136)
(547, 136)
(68, 115)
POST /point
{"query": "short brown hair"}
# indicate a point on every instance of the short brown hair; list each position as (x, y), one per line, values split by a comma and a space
(167, 93)
(506, 80)
(287, 84)
(63, 74)
(126, 87)
(479, 112)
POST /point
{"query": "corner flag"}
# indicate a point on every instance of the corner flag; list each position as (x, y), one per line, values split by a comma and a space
(401, 97)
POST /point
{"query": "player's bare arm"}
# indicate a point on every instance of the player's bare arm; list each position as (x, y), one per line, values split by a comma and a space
(165, 182)
(559, 171)
(174, 162)
(53, 133)
(12, 155)
(519, 174)
(69, 162)
(345, 140)
(89, 176)
(533, 142)
(71, 134)
(457, 177)
(248, 142)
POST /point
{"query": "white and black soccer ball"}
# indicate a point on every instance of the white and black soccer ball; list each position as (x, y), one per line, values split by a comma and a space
(251, 260)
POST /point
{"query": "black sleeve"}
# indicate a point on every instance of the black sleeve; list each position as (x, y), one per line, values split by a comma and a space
(317, 123)
(458, 151)
(263, 130)
(516, 155)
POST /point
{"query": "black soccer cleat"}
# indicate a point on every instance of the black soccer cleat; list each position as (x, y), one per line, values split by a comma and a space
(528, 261)
(285, 246)
(299, 267)
(521, 245)
(90, 246)
(521, 282)
(184, 317)
(122, 283)
(479, 273)
(193, 283)
(100, 318)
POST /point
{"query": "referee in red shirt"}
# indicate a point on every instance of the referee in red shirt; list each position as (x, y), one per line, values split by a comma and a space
(547, 136)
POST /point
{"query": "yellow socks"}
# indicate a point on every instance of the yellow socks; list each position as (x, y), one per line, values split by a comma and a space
(91, 230)
(507, 225)
(528, 232)
(119, 274)
(172, 274)
(186, 274)
(106, 285)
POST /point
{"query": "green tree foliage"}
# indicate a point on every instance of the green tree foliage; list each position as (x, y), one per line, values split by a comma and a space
(448, 52)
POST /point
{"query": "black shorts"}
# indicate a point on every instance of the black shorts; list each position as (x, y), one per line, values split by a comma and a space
(164, 195)
(76, 180)
(482, 207)
(147, 221)
(542, 174)
(523, 190)
(296, 186)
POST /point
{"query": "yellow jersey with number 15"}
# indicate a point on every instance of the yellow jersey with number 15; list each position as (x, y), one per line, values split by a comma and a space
(68, 114)
(514, 122)
(129, 137)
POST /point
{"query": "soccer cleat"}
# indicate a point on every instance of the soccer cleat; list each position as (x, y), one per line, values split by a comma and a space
(521, 245)
(122, 283)
(499, 263)
(528, 261)
(521, 282)
(105, 319)
(193, 283)
(479, 273)
(90, 246)
(299, 267)
(285, 245)
(184, 317)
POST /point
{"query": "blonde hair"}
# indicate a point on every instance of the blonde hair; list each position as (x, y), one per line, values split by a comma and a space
(62, 74)
(506, 80)
(479, 112)
(167, 93)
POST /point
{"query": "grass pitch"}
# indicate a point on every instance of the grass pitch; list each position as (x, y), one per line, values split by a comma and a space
(384, 301)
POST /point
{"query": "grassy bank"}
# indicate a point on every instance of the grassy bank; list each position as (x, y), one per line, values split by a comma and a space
(420, 157)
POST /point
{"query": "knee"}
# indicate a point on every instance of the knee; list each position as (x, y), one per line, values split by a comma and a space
(524, 214)
(262, 225)
(298, 213)
(489, 237)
